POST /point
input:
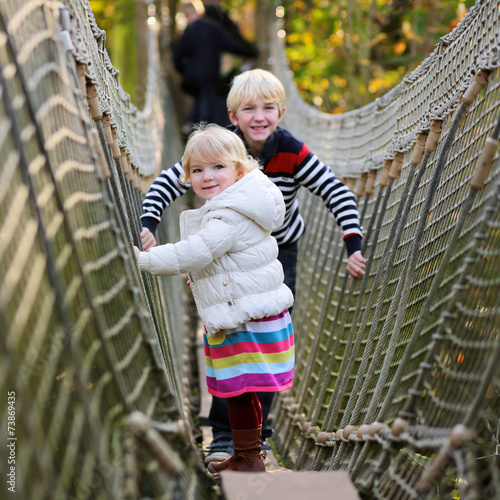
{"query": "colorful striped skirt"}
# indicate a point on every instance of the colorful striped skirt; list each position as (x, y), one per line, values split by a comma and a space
(257, 356)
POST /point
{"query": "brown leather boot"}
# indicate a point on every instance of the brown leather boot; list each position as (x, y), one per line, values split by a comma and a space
(247, 453)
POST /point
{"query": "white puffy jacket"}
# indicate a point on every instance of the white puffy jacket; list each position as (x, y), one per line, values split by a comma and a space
(230, 255)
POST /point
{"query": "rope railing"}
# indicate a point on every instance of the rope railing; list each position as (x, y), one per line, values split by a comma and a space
(398, 378)
(94, 399)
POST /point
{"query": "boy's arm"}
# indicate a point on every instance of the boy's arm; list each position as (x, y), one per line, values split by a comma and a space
(313, 174)
(356, 265)
(165, 189)
(321, 181)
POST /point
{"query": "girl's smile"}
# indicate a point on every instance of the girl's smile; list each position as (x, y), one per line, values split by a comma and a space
(209, 180)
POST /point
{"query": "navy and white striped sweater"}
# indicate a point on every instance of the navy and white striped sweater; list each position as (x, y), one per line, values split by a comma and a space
(290, 164)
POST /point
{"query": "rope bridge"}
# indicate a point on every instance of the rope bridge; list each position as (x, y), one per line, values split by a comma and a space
(397, 375)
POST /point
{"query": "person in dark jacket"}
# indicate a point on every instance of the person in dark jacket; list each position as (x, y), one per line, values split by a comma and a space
(214, 11)
(231, 65)
(197, 57)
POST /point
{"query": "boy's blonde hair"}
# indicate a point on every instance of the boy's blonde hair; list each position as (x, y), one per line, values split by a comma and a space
(256, 84)
(210, 143)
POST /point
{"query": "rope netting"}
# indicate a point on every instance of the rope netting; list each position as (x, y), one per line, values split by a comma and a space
(92, 402)
(397, 374)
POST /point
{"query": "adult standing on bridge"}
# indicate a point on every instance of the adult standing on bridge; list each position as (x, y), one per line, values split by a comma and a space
(197, 57)
(231, 65)
(256, 104)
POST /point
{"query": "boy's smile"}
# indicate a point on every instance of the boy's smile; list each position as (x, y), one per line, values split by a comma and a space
(257, 121)
(209, 180)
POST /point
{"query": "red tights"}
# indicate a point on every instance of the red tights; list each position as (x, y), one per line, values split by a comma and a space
(245, 411)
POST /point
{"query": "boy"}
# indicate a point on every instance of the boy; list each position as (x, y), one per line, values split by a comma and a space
(256, 105)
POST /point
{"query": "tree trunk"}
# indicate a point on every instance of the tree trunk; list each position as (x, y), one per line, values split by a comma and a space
(264, 18)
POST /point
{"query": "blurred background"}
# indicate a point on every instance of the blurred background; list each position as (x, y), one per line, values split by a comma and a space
(343, 53)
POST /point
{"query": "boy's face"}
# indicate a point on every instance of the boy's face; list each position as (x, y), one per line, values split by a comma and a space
(209, 180)
(257, 121)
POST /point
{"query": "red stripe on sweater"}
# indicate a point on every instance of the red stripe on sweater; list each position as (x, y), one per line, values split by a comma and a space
(286, 162)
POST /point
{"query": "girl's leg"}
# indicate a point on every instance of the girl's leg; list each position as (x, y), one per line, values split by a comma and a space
(245, 411)
(257, 406)
(245, 417)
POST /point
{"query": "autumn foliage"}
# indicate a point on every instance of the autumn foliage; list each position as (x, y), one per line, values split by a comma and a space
(346, 53)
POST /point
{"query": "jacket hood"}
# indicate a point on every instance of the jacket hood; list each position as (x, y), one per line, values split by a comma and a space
(254, 196)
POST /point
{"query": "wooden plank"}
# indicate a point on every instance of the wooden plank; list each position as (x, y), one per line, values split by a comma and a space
(288, 486)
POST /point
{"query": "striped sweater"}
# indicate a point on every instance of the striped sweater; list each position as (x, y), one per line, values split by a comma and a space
(290, 164)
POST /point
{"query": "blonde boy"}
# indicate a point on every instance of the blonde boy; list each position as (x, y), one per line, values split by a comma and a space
(256, 105)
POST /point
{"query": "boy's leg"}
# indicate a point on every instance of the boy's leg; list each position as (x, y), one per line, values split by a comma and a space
(221, 447)
(266, 401)
(288, 257)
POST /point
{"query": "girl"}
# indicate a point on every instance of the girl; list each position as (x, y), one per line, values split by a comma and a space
(237, 283)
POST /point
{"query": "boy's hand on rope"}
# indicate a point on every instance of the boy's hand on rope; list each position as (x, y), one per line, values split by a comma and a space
(148, 239)
(356, 265)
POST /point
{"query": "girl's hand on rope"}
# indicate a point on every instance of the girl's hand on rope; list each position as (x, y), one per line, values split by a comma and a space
(356, 265)
(136, 251)
(148, 239)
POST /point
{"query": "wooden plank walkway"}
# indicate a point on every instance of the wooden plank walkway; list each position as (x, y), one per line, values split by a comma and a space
(288, 486)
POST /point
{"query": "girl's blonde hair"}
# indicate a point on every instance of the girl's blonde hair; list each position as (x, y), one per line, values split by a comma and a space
(256, 84)
(210, 143)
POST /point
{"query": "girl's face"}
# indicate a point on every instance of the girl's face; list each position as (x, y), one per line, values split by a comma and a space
(257, 121)
(209, 180)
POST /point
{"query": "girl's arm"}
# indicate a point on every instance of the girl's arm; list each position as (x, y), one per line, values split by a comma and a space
(192, 254)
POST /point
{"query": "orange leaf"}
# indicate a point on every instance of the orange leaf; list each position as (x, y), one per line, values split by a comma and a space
(400, 47)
